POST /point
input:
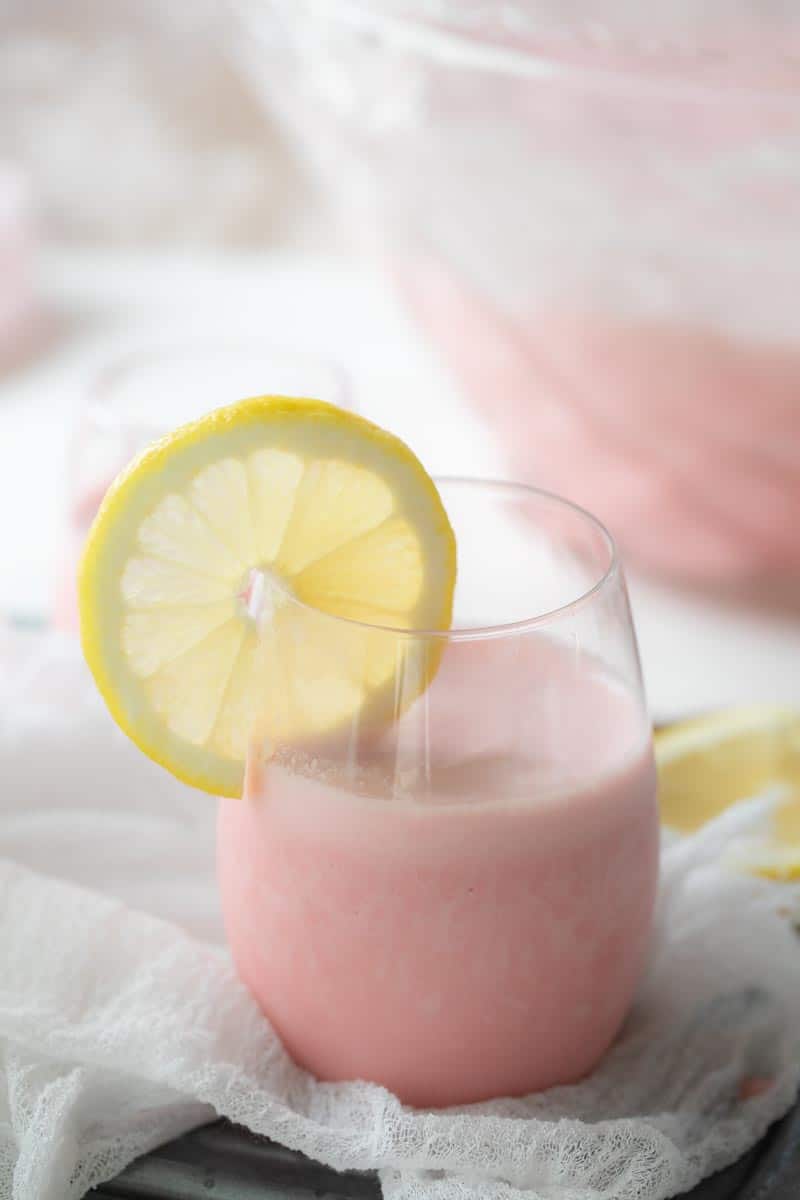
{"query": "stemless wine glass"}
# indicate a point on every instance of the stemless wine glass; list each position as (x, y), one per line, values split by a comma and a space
(146, 393)
(451, 892)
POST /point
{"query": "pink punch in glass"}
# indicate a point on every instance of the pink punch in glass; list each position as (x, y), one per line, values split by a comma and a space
(457, 904)
(593, 212)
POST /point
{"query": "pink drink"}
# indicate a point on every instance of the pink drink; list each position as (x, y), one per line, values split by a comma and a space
(596, 222)
(478, 930)
(64, 612)
(686, 440)
(20, 321)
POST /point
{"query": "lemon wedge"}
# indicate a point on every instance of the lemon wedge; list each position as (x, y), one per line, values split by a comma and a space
(215, 567)
(710, 763)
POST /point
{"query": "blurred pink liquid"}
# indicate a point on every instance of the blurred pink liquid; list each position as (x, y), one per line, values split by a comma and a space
(482, 935)
(685, 441)
(19, 317)
(64, 613)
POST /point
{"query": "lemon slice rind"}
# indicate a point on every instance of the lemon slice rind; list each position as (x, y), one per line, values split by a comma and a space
(710, 763)
(337, 513)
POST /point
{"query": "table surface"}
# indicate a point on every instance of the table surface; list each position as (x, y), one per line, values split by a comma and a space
(697, 654)
(230, 1163)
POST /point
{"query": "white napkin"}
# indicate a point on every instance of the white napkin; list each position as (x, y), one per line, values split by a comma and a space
(119, 1029)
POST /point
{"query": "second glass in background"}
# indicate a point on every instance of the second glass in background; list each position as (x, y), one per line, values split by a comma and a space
(146, 393)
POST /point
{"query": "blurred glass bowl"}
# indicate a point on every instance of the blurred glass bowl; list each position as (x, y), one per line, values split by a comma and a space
(601, 230)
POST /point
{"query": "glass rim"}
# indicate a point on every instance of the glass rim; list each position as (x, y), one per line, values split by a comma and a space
(425, 34)
(99, 408)
(505, 628)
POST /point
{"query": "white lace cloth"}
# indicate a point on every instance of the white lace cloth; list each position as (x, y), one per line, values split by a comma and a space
(119, 1028)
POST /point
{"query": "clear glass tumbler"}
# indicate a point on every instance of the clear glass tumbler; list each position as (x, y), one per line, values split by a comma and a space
(144, 394)
(451, 892)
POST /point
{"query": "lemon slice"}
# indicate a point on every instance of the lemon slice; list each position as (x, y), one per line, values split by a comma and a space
(216, 564)
(708, 764)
